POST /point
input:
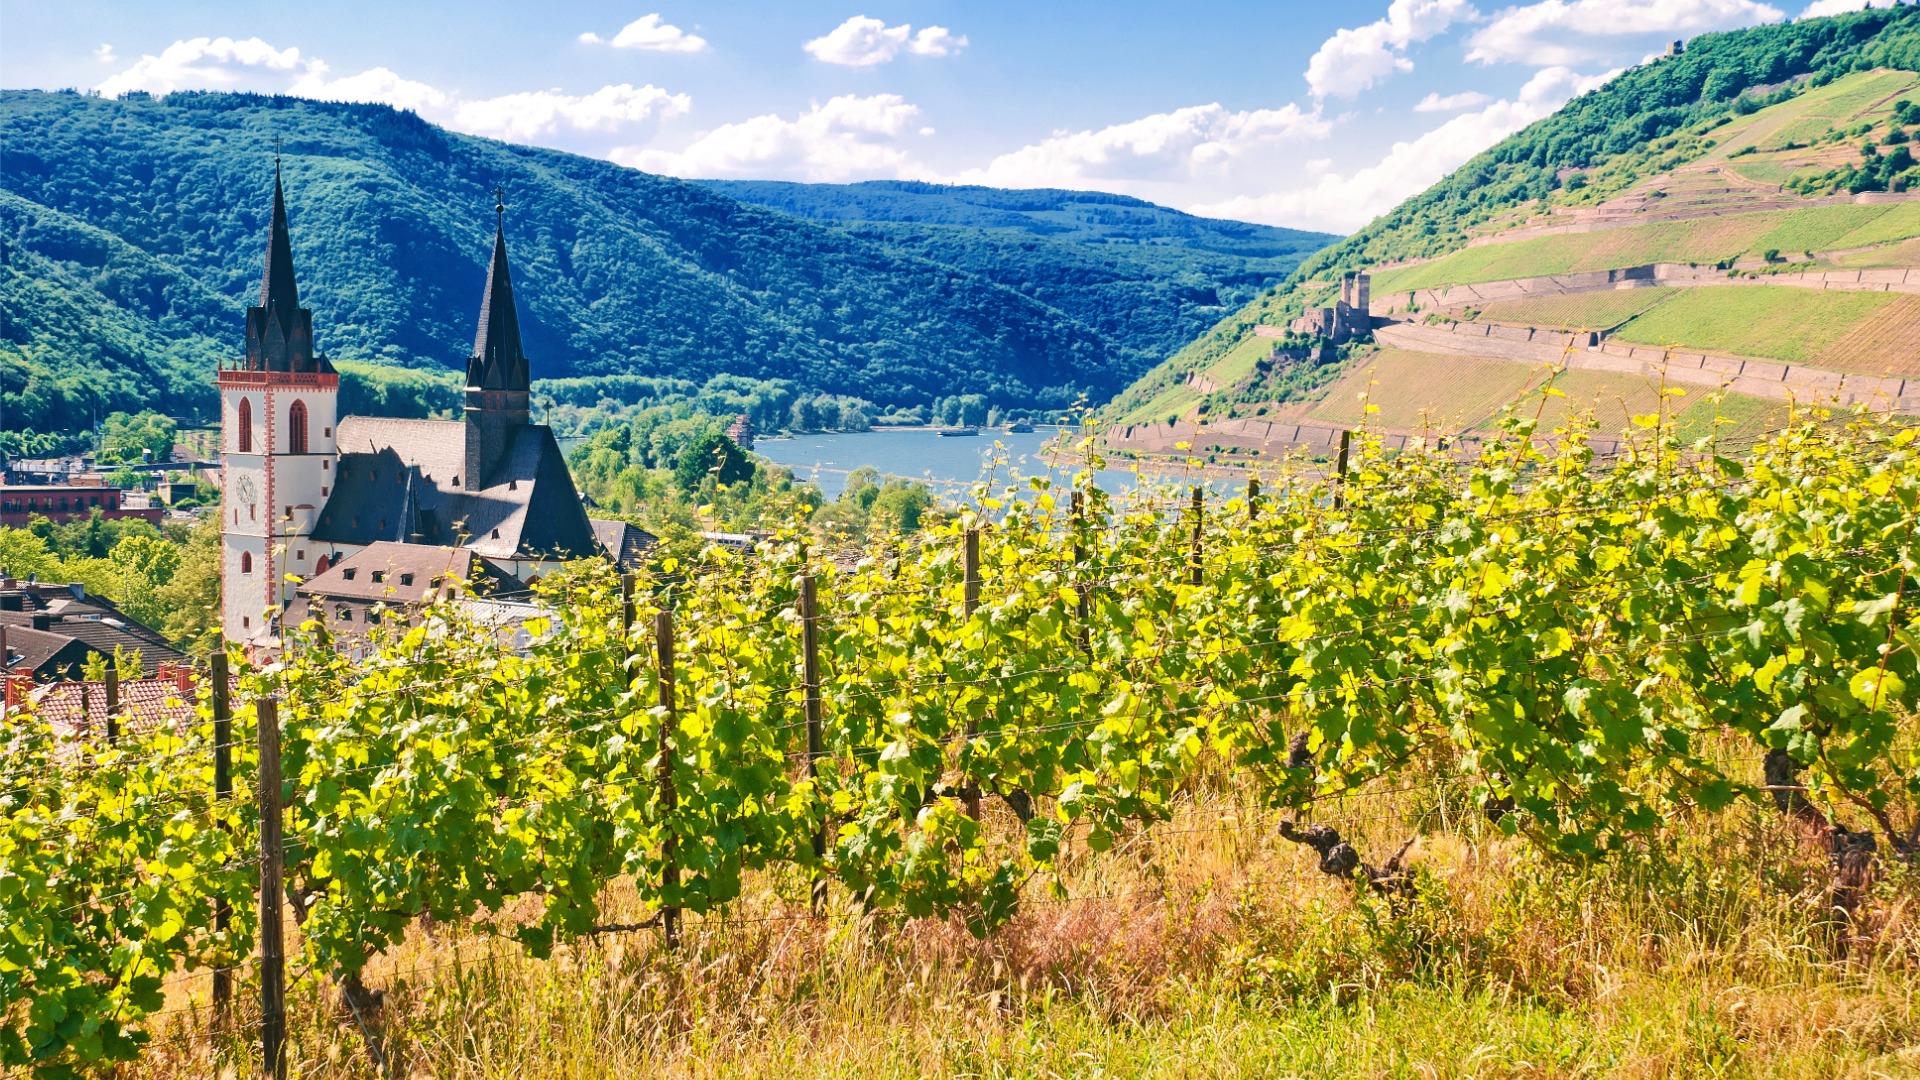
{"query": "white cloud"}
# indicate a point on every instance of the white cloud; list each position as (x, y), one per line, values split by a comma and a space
(1572, 31)
(1165, 146)
(538, 112)
(1356, 58)
(227, 64)
(379, 84)
(935, 41)
(845, 138)
(863, 42)
(206, 63)
(1841, 7)
(1467, 99)
(1345, 202)
(648, 32)
(104, 54)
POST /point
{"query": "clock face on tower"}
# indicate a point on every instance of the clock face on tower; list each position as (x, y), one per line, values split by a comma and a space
(243, 489)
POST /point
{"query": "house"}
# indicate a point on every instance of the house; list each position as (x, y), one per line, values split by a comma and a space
(51, 631)
(385, 579)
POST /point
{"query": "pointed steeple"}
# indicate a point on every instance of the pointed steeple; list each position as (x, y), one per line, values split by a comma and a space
(498, 383)
(278, 293)
(279, 330)
(498, 361)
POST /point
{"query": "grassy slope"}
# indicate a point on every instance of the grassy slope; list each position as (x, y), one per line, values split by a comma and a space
(1783, 323)
(1647, 122)
(1213, 949)
(1582, 311)
(1701, 242)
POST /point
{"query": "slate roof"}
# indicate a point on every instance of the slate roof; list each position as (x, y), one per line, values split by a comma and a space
(95, 624)
(398, 480)
(498, 363)
(625, 543)
(407, 573)
(41, 652)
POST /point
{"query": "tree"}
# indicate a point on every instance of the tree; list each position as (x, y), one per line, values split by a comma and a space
(124, 438)
(191, 595)
(715, 455)
(146, 565)
(24, 554)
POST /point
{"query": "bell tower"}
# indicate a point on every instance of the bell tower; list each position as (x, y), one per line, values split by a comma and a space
(278, 410)
(499, 386)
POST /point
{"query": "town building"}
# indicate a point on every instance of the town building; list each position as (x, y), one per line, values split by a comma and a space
(306, 488)
(50, 632)
(389, 581)
(60, 503)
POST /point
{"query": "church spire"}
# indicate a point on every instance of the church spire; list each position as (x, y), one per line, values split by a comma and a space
(498, 363)
(279, 330)
(277, 289)
(498, 384)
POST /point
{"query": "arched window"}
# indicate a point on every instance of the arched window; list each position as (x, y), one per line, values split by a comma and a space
(246, 562)
(297, 428)
(243, 419)
(321, 566)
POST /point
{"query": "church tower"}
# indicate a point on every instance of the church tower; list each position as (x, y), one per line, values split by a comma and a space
(498, 384)
(278, 409)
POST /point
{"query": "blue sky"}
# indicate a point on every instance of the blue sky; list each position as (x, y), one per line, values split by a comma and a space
(1306, 114)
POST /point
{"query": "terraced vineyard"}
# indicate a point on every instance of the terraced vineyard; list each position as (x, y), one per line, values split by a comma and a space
(1582, 311)
(1802, 325)
(1887, 341)
(1701, 242)
(1701, 211)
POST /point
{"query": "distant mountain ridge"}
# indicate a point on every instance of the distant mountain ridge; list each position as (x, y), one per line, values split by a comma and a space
(1053, 213)
(1144, 276)
(134, 230)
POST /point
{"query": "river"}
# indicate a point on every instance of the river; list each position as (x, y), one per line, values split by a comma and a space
(948, 465)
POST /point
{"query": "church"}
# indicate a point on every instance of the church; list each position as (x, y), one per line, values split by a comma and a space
(307, 490)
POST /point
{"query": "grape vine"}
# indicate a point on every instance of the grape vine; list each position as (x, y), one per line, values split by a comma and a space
(1580, 638)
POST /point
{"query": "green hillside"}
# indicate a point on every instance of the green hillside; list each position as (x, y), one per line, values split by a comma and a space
(1748, 151)
(134, 231)
(1146, 277)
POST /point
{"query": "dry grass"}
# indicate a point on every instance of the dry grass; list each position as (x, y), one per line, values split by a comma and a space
(1424, 390)
(1886, 342)
(1204, 946)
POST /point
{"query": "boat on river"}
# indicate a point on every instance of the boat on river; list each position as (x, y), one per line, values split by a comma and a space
(956, 432)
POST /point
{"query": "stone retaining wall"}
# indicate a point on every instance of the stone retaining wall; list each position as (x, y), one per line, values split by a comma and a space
(1893, 279)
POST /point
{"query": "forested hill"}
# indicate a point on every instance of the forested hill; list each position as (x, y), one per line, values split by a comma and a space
(1146, 277)
(134, 230)
(1052, 213)
(1613, 149)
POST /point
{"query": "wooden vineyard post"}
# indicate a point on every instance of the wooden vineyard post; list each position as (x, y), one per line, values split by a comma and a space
(816, 740)
(669, 845)
(1253, 497)
(1340, 471)
(1199, 522)
(113, 705)
(1082, 609)
(273, 959)
(222, 791)
(970, 795)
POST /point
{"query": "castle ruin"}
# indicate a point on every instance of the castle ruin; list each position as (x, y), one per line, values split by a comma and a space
(1348, 318)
